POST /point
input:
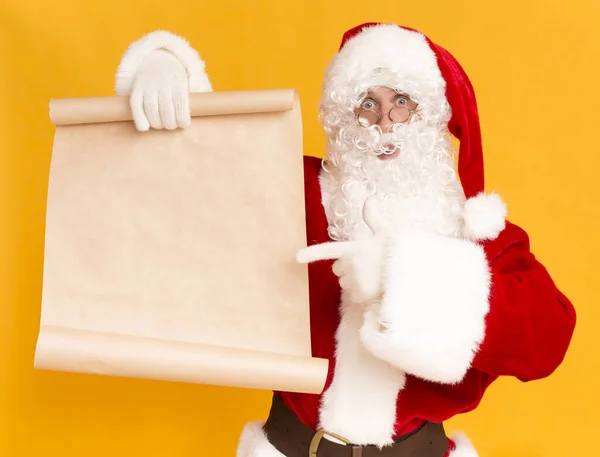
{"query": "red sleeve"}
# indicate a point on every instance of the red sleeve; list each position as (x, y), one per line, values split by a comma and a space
(530, 323)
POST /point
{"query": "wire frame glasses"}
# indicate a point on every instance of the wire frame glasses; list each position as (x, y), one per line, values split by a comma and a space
(368, 113)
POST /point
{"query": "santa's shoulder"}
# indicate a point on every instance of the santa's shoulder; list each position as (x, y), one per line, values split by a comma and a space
(313, 166)
(313, 163)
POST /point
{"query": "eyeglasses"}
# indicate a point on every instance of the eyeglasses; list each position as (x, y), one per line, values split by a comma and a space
(368, 113)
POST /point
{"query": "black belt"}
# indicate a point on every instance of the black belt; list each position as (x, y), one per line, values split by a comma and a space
(293, 438)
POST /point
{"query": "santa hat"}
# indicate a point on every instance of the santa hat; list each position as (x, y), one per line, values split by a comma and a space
(400, 57)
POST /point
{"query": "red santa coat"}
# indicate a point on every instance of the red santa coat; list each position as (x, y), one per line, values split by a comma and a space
(528, 328)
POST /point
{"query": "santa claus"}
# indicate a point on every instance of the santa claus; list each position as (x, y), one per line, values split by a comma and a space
(421, 293)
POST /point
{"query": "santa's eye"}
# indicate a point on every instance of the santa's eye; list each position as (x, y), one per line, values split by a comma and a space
(402, 101)
(368, 105)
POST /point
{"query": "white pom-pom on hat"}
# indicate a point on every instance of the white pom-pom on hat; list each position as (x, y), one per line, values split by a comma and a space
(484, 216)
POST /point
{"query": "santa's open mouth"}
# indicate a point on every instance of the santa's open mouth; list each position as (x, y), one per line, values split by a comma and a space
(389, 152)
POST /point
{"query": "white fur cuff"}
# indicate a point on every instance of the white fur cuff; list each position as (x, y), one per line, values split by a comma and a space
(167, 41)
(431, 319)
(254, 442)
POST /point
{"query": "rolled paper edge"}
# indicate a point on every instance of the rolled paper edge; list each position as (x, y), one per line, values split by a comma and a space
(91, 352)
(92, 110)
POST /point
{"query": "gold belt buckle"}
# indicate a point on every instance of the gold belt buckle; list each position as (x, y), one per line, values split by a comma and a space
(318, 436)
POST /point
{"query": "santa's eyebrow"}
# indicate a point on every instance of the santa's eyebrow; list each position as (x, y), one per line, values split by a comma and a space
(376, 99)
(373, 97)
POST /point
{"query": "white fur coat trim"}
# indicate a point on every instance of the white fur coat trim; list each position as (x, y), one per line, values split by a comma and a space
(164, 40)
(253, 442)
(360, 403)
(464, 447)
(431, 318)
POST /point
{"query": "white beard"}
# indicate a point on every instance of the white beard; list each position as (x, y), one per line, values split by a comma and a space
(418, 188)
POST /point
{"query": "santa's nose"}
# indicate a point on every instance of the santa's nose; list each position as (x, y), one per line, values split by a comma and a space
(386, 123)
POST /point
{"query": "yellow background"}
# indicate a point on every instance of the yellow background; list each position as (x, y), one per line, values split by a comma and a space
(535, 68)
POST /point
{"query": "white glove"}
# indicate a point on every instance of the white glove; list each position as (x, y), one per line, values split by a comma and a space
(160, 93)
(360, 270)
(359, 264)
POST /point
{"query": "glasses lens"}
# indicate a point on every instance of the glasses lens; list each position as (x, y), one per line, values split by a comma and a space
(367, 118)
(400, 114)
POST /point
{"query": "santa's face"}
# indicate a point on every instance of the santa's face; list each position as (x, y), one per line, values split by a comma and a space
(385, 107)
(383, 145)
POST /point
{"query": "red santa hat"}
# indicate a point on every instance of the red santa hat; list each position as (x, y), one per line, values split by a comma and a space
(400, 57)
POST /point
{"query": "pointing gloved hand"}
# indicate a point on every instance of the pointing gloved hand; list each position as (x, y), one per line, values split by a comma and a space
(358, 264)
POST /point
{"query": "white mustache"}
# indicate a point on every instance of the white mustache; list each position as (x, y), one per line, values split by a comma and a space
(385, 143)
